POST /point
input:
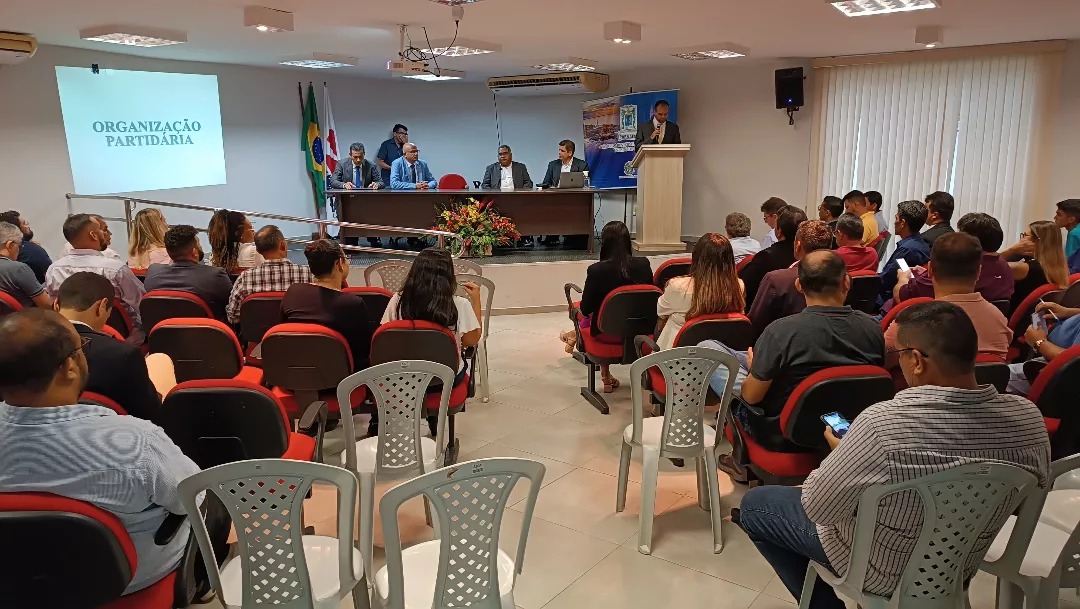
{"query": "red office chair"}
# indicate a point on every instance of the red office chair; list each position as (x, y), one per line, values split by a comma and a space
(1071, 297)
(159, 305)
(990, 369)
(113, 332)
(259, 312)
(222, 421)
(202, 349)
(97, 399)
(1020, 320)
(453, 181)
(120, 319)
(375, 299)
(303, 364)
(670, 269)
(743, 262)
(1074, 278)
(425, 341)
(865, 288)
(8, 304)
(881, 244)
(67, 553)
(627, 312)
(891, 315)
(785, 449)
(140, 273)
(1054, 392)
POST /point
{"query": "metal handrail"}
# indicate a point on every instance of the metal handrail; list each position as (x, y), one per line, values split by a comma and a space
(441, 236)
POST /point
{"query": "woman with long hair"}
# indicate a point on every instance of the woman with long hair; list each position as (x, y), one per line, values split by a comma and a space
(1041, 254)
(712, 287)
(148, 239)
(232, 241)
(617, 267)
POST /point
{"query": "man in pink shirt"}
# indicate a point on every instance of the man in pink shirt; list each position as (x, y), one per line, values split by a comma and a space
(849, 234)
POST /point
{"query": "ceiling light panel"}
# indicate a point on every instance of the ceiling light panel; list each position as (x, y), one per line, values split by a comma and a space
(720, 50)
(860, 8)
(455, 2)
(572, 64)
(462, 47)
(321, 61)
(437, 75)
(134, 36)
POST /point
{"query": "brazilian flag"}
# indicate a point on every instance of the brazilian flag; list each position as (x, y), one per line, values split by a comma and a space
(312, 145)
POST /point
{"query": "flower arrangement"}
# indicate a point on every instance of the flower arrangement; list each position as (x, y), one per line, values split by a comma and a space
(479, 225)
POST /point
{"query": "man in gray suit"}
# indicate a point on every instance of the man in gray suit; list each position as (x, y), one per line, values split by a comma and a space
(659, 130)
(357, 173)
(506, 174)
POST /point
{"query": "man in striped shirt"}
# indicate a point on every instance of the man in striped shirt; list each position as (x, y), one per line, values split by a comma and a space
(944, 420)
(275, 274)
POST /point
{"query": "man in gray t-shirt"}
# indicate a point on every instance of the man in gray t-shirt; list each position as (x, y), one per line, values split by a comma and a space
(16, 279)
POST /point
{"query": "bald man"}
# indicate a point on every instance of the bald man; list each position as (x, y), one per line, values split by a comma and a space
(410, 173)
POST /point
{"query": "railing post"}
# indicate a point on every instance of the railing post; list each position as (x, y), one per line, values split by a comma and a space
(127, 217)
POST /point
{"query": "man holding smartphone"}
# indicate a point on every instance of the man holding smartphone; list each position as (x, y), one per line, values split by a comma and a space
(1048, 342)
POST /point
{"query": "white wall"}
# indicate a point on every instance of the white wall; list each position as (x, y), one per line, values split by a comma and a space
(1064, 180)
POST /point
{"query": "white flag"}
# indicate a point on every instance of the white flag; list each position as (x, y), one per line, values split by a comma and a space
(330, 138)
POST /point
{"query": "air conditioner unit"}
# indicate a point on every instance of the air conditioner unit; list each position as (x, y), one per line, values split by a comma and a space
(560, 83)
(16, 48)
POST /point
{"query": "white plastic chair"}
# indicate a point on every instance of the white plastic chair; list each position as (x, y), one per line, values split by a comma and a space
(487, 291)
(959, 507)
(399, 390)
(277, 564)
(463, 567)
(680, 433)
(467, 267)
(1034, 556)
(392, 273)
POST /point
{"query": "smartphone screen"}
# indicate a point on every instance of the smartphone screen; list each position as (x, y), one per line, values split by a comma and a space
(903, 264)
(1038, 321)
(837, 423)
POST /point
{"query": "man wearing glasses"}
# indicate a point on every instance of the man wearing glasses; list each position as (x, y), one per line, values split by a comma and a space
(770, 210)
(391, 150)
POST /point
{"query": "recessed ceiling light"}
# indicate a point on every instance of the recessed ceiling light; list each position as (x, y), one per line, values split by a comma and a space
(573, 64)
(268, 19)
(461, 47)
(929, 36)
(134, 36)
(859, 8)
(321, 61)
(437, 75)
(622, 32)
(720, 50)
(455, 2)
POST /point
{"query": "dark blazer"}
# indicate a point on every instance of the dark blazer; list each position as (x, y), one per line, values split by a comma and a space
(554, 171)
(776, 298)
(210, 283)
(602, 277)
(118, 370)
(779, 255)
(645, 131)
(931, 234)
(493, 176)
(369, 173)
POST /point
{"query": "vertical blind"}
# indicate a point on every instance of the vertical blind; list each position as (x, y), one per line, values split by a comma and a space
(966, 126)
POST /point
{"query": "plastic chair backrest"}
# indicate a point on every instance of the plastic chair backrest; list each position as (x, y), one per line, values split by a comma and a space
(223, 421)
(467, 267)
(900, 306)
(8, 304)
(159, 305)
(392, 273)
(1071, 298)
(265, 500)
(469, 500)
(305, 357)
(670, 269)
(865, 288)
(487, 293)
(959, 507)
(97, 399)
(120, 319)
(848, 390)
(200, 348)
(399, 390)
(732, 329)
(686, 372)
(406, 340)
(375, 299)
(259, 312)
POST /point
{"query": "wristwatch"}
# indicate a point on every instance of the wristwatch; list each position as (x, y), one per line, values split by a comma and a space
(1039, 343)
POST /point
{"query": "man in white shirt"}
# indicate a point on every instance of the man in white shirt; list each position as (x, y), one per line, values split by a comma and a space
(507, 174)
(770, 211)
(737, 226)
(106, 237)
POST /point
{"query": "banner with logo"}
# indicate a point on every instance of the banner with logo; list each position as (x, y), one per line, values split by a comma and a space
(610, 126)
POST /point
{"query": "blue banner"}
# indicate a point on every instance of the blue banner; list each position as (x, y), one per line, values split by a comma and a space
(610, 125)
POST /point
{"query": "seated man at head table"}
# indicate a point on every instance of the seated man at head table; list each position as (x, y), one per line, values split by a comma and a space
(410, 173)
(566, 163)
(357, 173)
(507, 174)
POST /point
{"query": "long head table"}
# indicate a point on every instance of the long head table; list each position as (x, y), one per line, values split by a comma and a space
(535, 212)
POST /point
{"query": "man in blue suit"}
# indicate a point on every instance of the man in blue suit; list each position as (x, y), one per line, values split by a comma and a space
(410, 173)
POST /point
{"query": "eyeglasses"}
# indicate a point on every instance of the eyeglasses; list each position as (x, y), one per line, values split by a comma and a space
(897, 352)
(83, 341)
(401, 133)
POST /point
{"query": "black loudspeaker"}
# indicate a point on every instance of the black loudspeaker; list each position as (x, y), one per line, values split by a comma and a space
(789, 88)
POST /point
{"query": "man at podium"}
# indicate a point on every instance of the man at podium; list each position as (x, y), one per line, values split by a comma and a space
(659, 130)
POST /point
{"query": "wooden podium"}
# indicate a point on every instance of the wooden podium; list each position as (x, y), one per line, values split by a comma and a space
(659, 198)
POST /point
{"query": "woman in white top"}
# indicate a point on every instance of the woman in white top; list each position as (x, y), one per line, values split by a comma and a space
(712, 287)
(148, 239)
(232, 242)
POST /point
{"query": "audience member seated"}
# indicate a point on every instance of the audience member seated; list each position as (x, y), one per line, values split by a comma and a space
(770, 212)
(777, 297)
(1036, 260)
(712, 287)
(430, 294)
(276, 274)
(31, 254)
(232, 242)
(910, 246)
(617, 267)
(849, 234)
(995, 280)
(876, 203)
(953, 270)
(116, 369)
(855, 203)
(124, 465)
(1064, 333)
(826, 333)
(829, 211)
(737, 227)
(779, 255)
(945, 420)
(322, 302)
(187, 274)
(16, 278)
(1068, 218)
(939, 211)
(106, 240)
(147, 243)
(88, 240)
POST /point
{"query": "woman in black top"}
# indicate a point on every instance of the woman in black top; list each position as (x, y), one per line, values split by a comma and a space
(617, 267)
(1041, 256)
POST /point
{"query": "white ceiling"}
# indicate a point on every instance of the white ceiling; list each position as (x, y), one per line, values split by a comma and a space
(537, 31)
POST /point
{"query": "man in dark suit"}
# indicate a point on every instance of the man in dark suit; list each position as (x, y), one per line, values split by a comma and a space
(117, 370)
(187, 274)
(939, 211)
(779, 255)
(566, 162)
(507, 174)
(659, 130)
(357, 173)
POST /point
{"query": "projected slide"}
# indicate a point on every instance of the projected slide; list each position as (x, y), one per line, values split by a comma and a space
(131, 131)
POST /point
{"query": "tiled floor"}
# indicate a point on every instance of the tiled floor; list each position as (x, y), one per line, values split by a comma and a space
(581, 554)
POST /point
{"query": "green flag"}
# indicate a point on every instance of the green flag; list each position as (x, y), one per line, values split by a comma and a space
(312, 145)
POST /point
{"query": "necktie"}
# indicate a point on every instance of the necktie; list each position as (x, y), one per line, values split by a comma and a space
(413, 172)
(356, 177)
